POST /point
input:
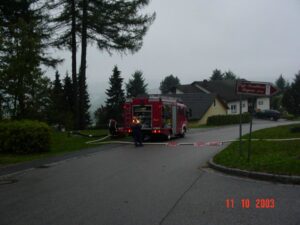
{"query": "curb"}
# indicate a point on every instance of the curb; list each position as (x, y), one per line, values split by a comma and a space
(256, 175)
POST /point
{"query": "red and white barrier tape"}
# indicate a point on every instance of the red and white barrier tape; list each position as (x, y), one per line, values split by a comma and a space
(195, 144)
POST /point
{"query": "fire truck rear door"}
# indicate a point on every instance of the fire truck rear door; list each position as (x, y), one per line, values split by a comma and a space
(174, 119)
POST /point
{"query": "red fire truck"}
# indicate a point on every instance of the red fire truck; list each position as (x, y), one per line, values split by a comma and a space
(159, 116)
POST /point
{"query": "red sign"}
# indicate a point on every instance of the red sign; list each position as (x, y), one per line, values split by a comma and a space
(255, 88)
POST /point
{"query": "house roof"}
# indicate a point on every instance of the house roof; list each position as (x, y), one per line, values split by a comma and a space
(224, 88)
(199, 103)
(186, 88)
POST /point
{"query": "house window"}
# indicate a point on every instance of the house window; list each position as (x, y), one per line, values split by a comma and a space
(233, 108)
(260, 102)
(244, 105)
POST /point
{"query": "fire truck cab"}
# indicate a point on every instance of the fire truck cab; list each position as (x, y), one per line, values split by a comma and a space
(159, 116)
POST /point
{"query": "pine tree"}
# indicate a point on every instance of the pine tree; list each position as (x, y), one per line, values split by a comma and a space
(281, 83)
(57, 102)
(68, 102)
(38, 98)
(101, 117)
(167, 83)
(276, 101)
(65, 23)
(83, 94)
(217, 75)
(68, 93)
(229, 75)
(291, 97)
(25, 37)
(115, 95)
(84, 104)
(136, 86)
(112, 25)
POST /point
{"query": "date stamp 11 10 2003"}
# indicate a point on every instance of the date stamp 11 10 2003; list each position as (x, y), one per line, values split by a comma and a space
(246, 203)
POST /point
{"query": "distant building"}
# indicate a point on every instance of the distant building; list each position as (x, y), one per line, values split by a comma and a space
(225, 89)
(202, 105)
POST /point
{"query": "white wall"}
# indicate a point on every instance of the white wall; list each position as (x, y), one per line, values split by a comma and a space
(234, 107)
(263, 103)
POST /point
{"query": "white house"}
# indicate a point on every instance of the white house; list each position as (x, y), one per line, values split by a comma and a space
(225, 89)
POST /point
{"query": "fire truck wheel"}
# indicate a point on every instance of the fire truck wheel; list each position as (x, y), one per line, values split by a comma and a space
(182, 134)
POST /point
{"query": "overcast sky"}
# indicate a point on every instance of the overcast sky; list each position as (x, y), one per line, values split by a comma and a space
(256, 39)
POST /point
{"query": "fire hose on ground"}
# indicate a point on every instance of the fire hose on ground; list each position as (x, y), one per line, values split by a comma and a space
(175, 144)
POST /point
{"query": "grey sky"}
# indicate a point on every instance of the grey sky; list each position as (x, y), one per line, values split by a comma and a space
(256, 39)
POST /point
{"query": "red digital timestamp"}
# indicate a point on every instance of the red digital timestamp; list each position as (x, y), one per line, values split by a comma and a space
(245, 203)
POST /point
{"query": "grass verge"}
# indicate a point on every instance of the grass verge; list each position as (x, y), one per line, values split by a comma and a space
(61, 143)
(195, 124)
(271, 157)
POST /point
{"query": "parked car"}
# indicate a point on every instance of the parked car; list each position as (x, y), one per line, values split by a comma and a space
(268, 114)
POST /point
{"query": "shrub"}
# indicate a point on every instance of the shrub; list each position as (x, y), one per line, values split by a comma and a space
(24, 136)
(287, 116)
(228, 119)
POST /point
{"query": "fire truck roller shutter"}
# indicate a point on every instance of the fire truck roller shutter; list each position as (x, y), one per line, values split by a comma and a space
(174, 119)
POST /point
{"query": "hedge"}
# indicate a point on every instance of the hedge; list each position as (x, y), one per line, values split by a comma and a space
(228, 119)
(24, 136)
(288, 117)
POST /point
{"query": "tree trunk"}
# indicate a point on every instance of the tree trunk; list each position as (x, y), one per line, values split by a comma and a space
(21, 98)
(74, 65)
(82, 73)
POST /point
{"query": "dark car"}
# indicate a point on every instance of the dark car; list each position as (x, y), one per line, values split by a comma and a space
(268, 114)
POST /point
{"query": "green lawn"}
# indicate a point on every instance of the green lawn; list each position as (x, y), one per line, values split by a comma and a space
(272, 157)
(61, 143)
(102, 132)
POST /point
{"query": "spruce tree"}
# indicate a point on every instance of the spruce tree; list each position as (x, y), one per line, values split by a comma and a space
(65, 23)
(217, 75)
(38, 100)
(115, 96)
(68, 102)
(84, 104)
(25, 37)
(229, 75)
(136, 85)
(281, 83)
(68, 93)
(291, 97)
(57, 102)
(276, 101)
(167, 83)
(112, 25)
(101, 117)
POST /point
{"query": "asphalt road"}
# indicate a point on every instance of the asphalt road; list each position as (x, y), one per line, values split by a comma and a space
(146, 186)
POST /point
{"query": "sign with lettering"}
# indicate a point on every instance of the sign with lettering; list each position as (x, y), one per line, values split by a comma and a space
(255, 88)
